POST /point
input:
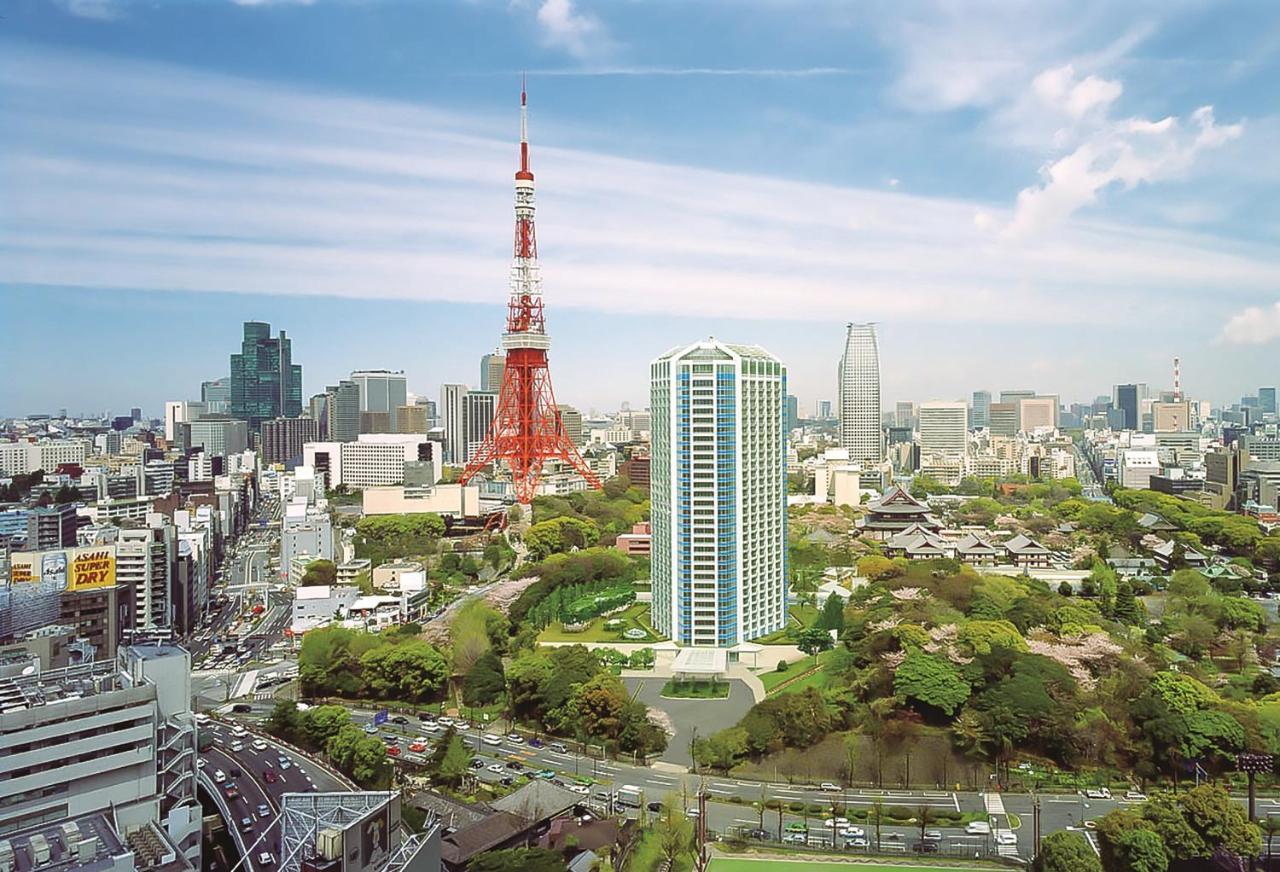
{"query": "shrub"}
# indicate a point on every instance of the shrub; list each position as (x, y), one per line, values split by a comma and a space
(773, 804)
(795, 807)
(816, 808)
(781, 667)
(898, 812)
(735, 799)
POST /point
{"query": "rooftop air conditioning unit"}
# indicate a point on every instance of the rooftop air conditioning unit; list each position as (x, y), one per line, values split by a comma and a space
(70, 834)
(39, 849)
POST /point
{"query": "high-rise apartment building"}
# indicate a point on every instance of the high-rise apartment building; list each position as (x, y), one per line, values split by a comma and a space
(283, 438)
(51, 527)
(144, 562)
(859, 389)
(477, 418)
(492, 367)
(718, 485)
(793, 412)
(980, 410)
(944, 428)
(454, 422)
(265, 382)
(381, 391)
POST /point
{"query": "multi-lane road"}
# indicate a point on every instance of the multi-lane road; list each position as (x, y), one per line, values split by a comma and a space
(250, 772)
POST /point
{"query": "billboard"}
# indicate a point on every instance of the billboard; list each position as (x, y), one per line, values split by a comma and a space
(370, 841)
(69, 569)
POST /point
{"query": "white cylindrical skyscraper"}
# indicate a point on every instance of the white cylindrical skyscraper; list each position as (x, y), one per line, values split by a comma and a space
(859, 393)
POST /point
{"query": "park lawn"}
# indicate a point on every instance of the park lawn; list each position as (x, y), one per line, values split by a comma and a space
(772, 679)
(798, 617)
(743, 864)
(635, 615)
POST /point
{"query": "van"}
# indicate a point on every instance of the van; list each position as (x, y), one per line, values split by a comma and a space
(558, 747)
(978, 828)
(492, 739)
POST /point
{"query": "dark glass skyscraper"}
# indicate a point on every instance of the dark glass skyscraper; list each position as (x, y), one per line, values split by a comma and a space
(265, 382)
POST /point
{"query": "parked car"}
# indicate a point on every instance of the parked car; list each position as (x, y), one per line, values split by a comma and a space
(476, 764)
(393, 750)
(496, 768)
(417, 747)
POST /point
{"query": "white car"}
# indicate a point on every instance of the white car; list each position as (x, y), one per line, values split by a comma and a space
(855, 843)
(259, 745)
(496, 768)
(832, 823)
(239, 732)
(445, 722)
(1005, 837)
(219, 776)
(579, 788)
(492, 739)
(830, 787)
(237, 746)
(852, 833)
(515, 738)
(1135, 796)
(795, 838)
(461, 726)
(1097, 793)
(200, 764)
(978, 828)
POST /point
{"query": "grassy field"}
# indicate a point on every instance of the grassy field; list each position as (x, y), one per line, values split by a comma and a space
(798, 617)
(772, 679)
(636, 615)
(743, 864)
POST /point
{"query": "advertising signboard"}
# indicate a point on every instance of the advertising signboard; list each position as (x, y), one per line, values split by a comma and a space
(65, 569)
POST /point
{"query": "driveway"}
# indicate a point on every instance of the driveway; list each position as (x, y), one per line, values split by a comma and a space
(705, 715)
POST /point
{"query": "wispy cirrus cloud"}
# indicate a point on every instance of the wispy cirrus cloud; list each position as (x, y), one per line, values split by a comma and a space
(140, 175)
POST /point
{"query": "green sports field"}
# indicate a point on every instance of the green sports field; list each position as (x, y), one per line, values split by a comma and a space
(743, 864)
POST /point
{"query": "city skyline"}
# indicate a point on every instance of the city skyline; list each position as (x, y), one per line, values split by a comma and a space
(246, 185)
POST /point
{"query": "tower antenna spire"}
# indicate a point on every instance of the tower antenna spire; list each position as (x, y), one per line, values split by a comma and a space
(526, 432)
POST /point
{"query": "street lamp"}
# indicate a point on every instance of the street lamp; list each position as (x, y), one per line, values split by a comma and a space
(1251, 764)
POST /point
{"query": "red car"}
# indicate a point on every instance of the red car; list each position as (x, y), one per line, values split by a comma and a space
(393, 750)
(270, 776)
(417, 747)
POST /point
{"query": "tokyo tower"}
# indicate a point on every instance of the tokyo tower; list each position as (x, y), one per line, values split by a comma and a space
(526, 430)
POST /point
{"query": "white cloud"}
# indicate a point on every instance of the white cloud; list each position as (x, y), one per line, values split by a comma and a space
(1059, 88)
(746, 72)
(140, 175)
(1254, 325)
(579, 33)
(1122, 153)
(99, 10)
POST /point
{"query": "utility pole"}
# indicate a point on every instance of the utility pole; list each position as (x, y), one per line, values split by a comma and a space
(1035, 819)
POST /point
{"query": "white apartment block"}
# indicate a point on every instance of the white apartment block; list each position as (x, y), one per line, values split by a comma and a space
(719, 493)
(21, 458)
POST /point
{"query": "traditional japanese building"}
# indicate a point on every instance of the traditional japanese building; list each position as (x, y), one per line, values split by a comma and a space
(894, 512)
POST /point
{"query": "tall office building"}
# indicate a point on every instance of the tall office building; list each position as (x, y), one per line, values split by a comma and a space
(283, 438)
(824, 409)
(980, 411)
(1267, 400)
(904, 414)
(859, 378)
(381, 391)
(944, 428)
(477, 418)
(265, 382)
(1126, 400)
(218, 435)
(492, 367)
(341, 421)
(571, 423)
(216, 395)
(1038, 413)
(412, 419)
(454, 423)
(718, 485)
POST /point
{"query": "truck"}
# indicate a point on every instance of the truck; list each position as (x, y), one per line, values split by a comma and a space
(628, 796)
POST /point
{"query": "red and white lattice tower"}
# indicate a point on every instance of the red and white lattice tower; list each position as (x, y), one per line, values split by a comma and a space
(526, 430)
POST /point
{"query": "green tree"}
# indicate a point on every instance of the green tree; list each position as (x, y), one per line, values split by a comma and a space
(812, 640)
(484, 682)
(319, 572)
(1065, 852)
(66, 494)
(321, 723)
(931, 681)
(674, 832)
(518, 860)
(1127, 610)
(832, 615)
(286, 722)
(411, 671)
(450, 760)
(1140, 850)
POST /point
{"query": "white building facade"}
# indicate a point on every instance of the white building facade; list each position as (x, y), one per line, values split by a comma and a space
(719, 493)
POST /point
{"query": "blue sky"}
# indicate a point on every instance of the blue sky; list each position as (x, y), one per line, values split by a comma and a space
(1058, 196)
